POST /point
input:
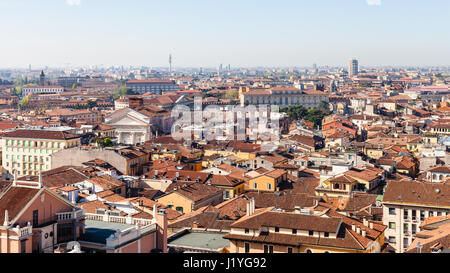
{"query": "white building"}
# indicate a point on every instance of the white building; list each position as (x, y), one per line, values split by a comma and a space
(41, 89)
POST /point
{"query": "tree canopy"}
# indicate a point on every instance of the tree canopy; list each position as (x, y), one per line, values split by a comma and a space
(314, 115)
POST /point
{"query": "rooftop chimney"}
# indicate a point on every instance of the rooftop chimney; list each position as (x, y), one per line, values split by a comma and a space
(251, 207)
(363, 233)
(365, 222)
(354, 227)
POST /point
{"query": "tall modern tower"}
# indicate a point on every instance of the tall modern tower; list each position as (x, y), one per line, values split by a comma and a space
(353, 67)
(170, 63)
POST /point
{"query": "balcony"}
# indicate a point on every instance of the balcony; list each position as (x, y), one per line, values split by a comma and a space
(127, 235)
(68, 216)
(24, 231)
(118, 230)
(119, 219)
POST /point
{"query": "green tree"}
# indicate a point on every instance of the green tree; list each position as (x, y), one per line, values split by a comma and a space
(107, 142)
(91, 104)
(232, 94)
(122, 91)
(25, 101)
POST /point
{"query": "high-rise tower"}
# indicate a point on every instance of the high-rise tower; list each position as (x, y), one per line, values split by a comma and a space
(353, 67)
(170, 63)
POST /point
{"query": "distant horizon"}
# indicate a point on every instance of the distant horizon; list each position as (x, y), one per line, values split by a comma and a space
(174, 68)
(205, 33)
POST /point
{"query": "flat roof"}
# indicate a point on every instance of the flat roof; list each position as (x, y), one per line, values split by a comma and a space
(98, 232)
(202, 240)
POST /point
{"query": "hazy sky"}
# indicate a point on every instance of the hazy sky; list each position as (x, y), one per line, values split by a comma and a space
(202, 33)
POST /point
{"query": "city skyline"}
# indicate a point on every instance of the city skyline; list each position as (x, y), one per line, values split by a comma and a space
(207, 33)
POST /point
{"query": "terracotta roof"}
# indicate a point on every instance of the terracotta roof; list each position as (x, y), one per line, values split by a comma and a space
(412, 192)
(290, 221)
(14, 200)
(40, 134)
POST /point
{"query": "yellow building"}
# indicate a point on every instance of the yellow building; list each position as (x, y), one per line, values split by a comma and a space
(268, 181)
(238, 154)
(29, 151)
(190, 197)
(231, 187)
(340, 186)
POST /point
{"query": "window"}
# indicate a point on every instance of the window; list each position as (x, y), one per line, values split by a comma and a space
(327, 234)
(255, 185)
(405, 242)
(180, 209)
(247, 247)
(100, 211)
(405, 214)
(392, 225)
(269, 186)
(35, 218)
(268, 249)
(391, 211)
(392, 239)
(311, 233)
(422, 215)
(294, 231)
(413, 216)
(277, 229)
(247, 231)
(430, 214)
(290, 250)
(405, 228)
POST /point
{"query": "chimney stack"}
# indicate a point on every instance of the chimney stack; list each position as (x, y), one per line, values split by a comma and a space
(251, 207)
(365, 222)
(354, 227)
(363, 233)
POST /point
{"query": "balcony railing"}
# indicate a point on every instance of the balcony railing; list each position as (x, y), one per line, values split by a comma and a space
(71, 215)
(130, 234)
(119, 219)
(24, 231)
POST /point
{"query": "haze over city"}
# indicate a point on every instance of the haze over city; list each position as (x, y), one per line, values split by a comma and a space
(202, 33)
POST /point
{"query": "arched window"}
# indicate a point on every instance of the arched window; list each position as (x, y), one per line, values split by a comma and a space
(308, 251)
(336, 186)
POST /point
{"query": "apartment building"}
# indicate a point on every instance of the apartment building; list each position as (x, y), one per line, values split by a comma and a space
(154, 86)
(284, 96)
(407, 204)
(28, 152)
(41, 90)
